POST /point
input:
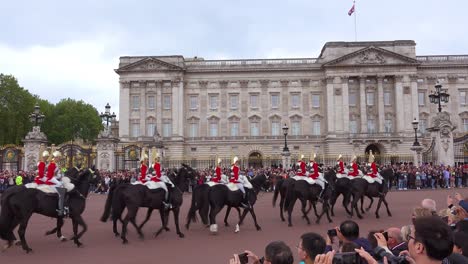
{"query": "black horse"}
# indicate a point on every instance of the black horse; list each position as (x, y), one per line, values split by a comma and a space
(133, 197)
(341, 186)
(361, 188)
(219, 196)
(19, 203)
(304, 191)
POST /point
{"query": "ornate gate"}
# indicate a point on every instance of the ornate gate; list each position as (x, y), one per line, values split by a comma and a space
(10, 158)
(75, 155)
(460, 149)
(131, 157)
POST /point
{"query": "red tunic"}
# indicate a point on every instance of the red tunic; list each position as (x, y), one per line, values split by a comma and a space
(40, 172)
(157, 169)
(341, 169)
(373, 172)
(355, 170)
(50, 172)
(315, 174)
(235, 177)
(143, 170)
(302, 169)
(217, 179)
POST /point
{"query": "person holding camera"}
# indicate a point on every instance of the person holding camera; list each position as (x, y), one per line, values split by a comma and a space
(310, 245)
(276, 252)
(349, 232)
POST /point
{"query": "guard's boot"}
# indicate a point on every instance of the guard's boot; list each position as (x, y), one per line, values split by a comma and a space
(245, 202)
(167, 203)
(61, 201)
(320, 197)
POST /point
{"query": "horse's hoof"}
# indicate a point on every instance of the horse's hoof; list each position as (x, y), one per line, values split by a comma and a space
(63, 239)
(116, 234)
(360, 216)
(141, 237)
(187, 227)
(181, 235)
(17, 243)
(78, 244)
(367, 210)
(258, 228)
(377, 216)
(48, 233)
(290, 225)
(125, 241)
(330, 221)
(226, 224)
(28, 250)
(167, 229)
(237, 229)
(390, 215)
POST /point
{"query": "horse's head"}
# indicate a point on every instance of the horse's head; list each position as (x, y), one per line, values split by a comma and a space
(85, 178)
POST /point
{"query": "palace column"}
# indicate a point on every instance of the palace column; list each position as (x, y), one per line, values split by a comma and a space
(414, 97)
(362, 103)
(330, 106)
(380, 100)
(345, 93)
(399, 103)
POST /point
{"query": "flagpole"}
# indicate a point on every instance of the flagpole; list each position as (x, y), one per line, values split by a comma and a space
(355, 27)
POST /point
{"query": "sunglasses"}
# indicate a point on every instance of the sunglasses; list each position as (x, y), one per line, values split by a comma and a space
(409, 237)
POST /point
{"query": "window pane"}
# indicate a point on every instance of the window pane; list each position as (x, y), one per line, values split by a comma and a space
(316, 128)
(295, 100)
(167, 102)
(234, 101)
(234, 129)
(167, 129)
(422, 126)
(213, 129)
(421, 98)
(275, 128)
(193, 102)
(254, 101)
(387, 98)
(193, 132)
(353, 126)
(352, 99)
(388, 125)
(371, 126)
(463, 98)
(151, 102)
(465, 124)
(150, 129)
(370, 98)
(315, 100)
(135, 102)
(135, 130)
(213, 102)
(254, 129)
(295, 128)
(274, 101)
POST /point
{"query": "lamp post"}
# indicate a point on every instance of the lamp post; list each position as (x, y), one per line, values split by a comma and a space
(439, 96)
(36, 117)
(415, 127)
(107, 116)
(285, 133)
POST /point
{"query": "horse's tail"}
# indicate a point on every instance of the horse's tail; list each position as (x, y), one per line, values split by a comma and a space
(197, 203)
(107, 207)
(278, 185)
(7, 216)
(289, 195)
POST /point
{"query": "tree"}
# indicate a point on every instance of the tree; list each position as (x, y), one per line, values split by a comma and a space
(16, 103)
(70, 119)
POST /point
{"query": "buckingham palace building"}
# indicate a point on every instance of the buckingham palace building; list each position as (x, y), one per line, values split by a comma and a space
(353, 98)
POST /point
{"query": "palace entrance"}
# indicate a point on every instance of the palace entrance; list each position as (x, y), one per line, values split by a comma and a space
(255, 160)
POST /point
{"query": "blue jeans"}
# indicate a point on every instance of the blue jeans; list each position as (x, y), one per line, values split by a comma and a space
(401, 183)
(447, 182)
(433, 181)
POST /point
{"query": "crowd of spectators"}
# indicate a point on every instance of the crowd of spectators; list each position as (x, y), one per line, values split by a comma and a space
(431, 236)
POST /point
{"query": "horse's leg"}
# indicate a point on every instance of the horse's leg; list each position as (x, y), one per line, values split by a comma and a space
(241, 219)
(290, 209)
(239, 214)
(314, 204)
(281, 207)
(131, 213)
(332, 203)
(378, 207)
(362, 204)
(213, 212)
(370, 204)
(386, 205)
(252, 212)
(114, 227)
(59, 229)
(176, 211)
(163, 222)
(22, 231)
(78, 220)
(303, 209)
(346, 202)
(227, 215)
(355, 202)
(139, 227)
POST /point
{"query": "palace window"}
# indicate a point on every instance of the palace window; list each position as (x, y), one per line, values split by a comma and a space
(275, 127)
(167, 128)
(371, 126)
(135, 126)
(316, 130)
(353, 128)
(370, 98)
(151, 102)
(150, 127)
(465, 124)
(213, 102)
(234, 128)
(421, 98)
(135, 102)
(295, 100)
(388, 126)
(295, 128)
(463, 98)
(213, 126)
(167, 102)
(254, 126)
(254, 100)
(352, 98)
(234, 101)
(422, 126)
(193, 127)
(275, 101)
(315, 100)
(387, 98)
(193, 101)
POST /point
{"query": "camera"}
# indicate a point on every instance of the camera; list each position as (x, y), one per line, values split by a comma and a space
(348, 258)
(385, 234)
(380, 253)
(332, 233)
(243, 258)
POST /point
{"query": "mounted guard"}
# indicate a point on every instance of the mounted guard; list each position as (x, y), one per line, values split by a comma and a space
(219, 176)
(240, 182)
(373, 175)
(41, 166)
(143, 167)
(315, 173)
(302, 170)
(354, 172)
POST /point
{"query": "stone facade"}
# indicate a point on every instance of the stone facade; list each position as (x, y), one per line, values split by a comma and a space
(354, 97)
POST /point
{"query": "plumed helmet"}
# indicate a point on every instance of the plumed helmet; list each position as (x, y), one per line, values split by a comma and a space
(56, 154)
(354, 158)
(371, 157)
(235, 159)
(301, 157)
(45, 153)
(219, 160)
(339, 157)
(313, 156)
(143, 156)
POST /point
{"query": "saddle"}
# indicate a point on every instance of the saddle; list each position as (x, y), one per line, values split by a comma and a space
(369, 179)
(211, 183)
(304, 178)
(243, 180)
(48, 189)
(152, 185)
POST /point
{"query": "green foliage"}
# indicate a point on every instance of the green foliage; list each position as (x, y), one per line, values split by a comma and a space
(16, 104)
(64, 121)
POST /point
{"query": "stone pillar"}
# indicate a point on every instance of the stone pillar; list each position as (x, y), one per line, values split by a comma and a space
(417, 159)
(441, 129)
(330, 106)
(106, 145)
(345, 93)
(32, 146)
(124, 107)
(362, 103)
(399, 103)
(414, 97)
(380, 103)
(286, 159)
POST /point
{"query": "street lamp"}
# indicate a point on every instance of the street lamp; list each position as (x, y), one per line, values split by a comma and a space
(415, 127)
(285, 133)
(439, 96)
(36, 117)
(107, 116)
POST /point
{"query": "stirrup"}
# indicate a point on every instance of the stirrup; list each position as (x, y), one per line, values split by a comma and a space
(245, 205)
(167, 205)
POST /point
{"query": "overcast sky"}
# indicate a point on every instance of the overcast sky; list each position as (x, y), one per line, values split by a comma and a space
(59, 49)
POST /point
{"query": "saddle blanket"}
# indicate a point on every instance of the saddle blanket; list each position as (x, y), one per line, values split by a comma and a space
(51, 189)
(340, 176)
(304, 178)
(211, 184)
(152, 185)
(372, 180)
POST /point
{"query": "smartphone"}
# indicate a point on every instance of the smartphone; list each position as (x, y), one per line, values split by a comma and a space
(243, 258)
(348, 258)
(385, 234)
(332, 233)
